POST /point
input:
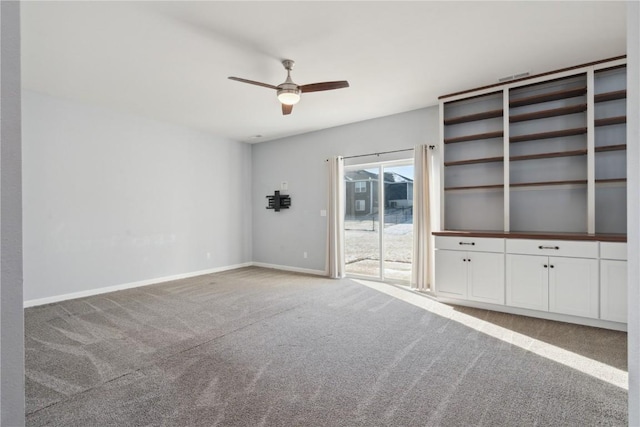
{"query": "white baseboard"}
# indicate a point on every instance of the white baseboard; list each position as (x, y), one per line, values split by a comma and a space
(98, 291)
(598, 323)
(288, 268)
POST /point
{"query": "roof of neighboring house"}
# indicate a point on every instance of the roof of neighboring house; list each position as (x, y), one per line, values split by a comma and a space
(395, 177)
(363, 175)
(360, 175)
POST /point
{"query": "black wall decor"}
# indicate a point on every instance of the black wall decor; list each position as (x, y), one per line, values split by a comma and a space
(279, 201)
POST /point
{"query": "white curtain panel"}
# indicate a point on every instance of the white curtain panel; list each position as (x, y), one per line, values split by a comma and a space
(335, 228)
(421, 266)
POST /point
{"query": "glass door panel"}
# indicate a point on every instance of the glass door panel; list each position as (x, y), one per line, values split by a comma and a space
(362, 222)
(398, 223)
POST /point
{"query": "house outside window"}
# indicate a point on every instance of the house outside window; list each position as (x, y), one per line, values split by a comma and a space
(361, 187)
(360, 205)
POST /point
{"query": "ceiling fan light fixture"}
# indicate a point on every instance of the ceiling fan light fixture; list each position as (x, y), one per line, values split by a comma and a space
(289, 92)
(289, 96)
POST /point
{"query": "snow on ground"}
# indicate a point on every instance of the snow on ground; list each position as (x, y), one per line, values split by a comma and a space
(362, 243)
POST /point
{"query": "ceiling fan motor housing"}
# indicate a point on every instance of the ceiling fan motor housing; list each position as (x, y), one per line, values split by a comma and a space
(288, 92)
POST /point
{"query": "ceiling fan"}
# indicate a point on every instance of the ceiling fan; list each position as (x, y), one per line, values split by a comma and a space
(289, 92)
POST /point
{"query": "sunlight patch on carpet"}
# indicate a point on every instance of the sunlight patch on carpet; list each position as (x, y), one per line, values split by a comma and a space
(599, 370)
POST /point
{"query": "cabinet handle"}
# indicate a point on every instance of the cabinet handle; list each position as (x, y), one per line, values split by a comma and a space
(464, 243)
(545, 265)
(549, 247)
(551, 266)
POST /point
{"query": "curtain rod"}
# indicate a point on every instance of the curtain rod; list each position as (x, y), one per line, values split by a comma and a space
(377, 154)
(431, 147)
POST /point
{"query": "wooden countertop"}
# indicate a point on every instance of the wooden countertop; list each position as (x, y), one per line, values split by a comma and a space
(534, 235)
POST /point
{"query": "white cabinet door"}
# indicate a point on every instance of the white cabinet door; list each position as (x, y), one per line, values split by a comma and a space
(528, 282)
(485, 272)
(451, 273)
(613, 290)
(573, 286)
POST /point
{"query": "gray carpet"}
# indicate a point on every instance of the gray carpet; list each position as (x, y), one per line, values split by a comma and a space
(258, 347)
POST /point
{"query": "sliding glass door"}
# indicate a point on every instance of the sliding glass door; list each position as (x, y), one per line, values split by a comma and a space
(379, 221)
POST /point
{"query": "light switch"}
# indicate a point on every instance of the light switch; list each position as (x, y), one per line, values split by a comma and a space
(323, 212)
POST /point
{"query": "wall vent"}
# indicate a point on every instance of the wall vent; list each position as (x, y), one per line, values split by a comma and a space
(513, 77)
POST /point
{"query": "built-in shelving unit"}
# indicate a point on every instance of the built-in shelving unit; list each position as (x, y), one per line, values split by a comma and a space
(533, 196)
(474, 158)
(544, 153)
(544, 174)
(610, 193)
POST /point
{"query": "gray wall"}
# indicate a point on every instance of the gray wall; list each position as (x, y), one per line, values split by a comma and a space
(281, 238)
(11, 315)
(113, 199)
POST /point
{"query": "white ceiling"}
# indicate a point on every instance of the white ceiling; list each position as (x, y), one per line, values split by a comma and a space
(171, 60)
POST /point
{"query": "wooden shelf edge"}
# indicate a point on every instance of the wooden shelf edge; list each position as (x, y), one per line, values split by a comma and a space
(474, 161)
(611, 121)
(548, 135)
(476, 137)
(555, 112)
(548, 183)
(610, 96)
(612, 180)
(549, 155)
(533, 235)
(537, 184)
(617, 147)
(615, 67)
(546, 97)
(475, 187)
(474, 117)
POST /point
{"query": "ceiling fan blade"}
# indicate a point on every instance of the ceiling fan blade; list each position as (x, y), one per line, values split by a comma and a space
(251, 82)
(286, 109)
(317, 87)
